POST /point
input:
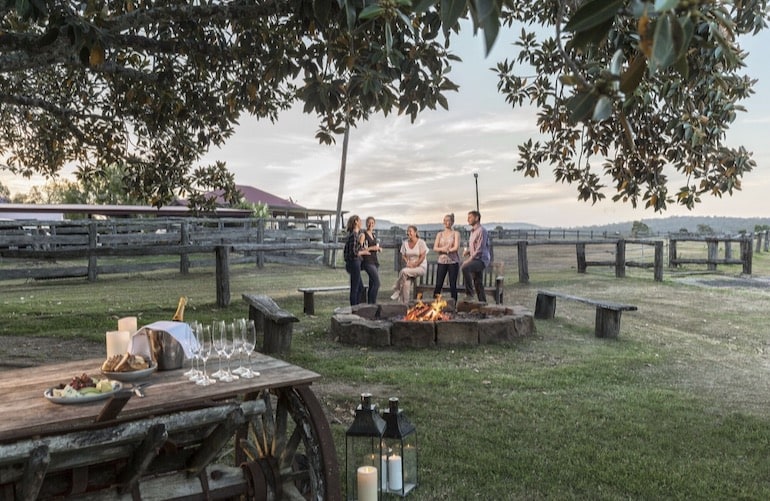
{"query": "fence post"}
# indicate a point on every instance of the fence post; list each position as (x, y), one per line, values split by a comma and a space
(184, 240)
(713, 251)
(671, 253)
(767, 240)
(261, 240)
(580, 248)
(620, 259)
(92, 241)
(759, 241)
(222, 253)
(326, 240)
(728, 249)
(746, 255)
(658, 268)
(521, 250)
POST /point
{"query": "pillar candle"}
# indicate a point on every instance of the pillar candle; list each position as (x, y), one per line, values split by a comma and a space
(117, 342)
(127, 324)
(367, 483)
(395, 479)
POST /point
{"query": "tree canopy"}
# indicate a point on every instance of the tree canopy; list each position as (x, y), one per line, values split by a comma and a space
(631, 89)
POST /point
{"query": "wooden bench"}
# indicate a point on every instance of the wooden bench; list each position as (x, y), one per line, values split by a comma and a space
(493, 282)
(607, 313)
(275, 322)
(308, 295)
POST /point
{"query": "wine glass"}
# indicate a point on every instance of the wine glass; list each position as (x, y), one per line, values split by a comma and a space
(249, 343)
(230, 345)
(205, 340)
(192, 342)
(241, 327)
(219, 334)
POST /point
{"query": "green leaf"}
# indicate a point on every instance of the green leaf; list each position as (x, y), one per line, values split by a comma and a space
(593, 13)
(632, 77)
(581, 106)
(451, 10)
(371, 12)
(591, 36)
(663, 50)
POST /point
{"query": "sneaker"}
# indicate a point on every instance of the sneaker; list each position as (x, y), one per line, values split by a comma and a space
(395, 296)
(469, 297)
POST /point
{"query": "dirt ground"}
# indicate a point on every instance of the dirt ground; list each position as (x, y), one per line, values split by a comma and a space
(17, 352)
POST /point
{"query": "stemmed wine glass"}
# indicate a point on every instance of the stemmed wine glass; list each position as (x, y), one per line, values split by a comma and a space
(241, 326)
(192, 342)
(219, 335)
(231, 341)
(249, 332)
(206, 342)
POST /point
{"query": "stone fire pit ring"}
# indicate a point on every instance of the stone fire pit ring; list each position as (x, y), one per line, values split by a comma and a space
(383, 325)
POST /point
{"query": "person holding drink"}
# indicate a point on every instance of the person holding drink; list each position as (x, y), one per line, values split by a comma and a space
(353, 254)
(477, 257)
(370, 264)
(414, 252)
(446, 245)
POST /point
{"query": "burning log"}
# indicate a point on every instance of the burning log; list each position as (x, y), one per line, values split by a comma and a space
(422, 312)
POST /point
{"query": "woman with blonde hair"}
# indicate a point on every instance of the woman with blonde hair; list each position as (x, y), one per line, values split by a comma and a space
(448, 262)
(414, 253)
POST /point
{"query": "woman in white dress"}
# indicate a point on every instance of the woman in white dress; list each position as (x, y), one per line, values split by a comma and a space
(414, 253)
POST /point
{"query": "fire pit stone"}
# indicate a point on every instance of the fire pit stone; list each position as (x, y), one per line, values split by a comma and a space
(472, 323)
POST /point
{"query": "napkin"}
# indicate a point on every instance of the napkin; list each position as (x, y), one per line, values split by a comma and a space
(139, 344)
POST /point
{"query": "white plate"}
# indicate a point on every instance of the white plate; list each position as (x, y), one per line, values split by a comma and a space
(91, 397)
(131, 376)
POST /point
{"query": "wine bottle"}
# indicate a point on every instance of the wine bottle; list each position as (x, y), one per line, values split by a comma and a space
(179, 314)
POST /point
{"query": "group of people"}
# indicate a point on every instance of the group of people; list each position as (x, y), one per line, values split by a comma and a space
(362, 247)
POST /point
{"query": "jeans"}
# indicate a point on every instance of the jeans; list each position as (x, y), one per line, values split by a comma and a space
(441, 273)
(356, 284)
(372, 270)
(473, 274)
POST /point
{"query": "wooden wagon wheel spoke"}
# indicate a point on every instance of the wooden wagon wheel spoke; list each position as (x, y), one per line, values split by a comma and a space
(292, 446)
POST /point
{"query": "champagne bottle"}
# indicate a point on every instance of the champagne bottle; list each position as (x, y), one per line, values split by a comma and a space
(179, 315)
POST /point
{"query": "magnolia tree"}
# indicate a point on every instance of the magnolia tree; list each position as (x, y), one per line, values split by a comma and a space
(628, 90)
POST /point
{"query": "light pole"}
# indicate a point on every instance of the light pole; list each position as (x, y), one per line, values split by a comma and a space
(476, 177)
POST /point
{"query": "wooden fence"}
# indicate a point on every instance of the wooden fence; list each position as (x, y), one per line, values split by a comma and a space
(224, 241)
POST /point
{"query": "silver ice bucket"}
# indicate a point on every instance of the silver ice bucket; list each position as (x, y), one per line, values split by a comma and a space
(165, 350)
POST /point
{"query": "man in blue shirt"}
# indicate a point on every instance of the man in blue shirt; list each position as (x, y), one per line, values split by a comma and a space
(477, 257)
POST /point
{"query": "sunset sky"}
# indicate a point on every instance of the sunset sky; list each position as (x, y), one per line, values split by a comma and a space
(415, 173)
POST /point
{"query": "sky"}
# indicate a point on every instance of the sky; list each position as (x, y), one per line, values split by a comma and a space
(414, 173)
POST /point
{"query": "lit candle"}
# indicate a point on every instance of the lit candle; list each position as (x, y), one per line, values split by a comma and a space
(395, 479)
(127, 324)
(367, 483)
(117, 342)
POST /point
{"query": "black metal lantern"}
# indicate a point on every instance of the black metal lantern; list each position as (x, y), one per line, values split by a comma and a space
(364, 457)
(400, 446)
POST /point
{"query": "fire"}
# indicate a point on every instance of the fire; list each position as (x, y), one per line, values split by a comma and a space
(432, 312)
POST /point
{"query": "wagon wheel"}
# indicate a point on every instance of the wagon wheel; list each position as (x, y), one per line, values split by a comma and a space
(289, 449)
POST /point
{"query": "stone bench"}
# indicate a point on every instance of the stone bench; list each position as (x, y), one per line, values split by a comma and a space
(275, 322)
(607, 313)
(493, 282)
(308, 295)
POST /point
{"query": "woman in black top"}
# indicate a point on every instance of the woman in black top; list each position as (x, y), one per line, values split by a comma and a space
(370, 263)
(353, 254)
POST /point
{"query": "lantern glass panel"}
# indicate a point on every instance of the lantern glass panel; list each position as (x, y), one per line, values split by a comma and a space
(363, 453)
(400, 445)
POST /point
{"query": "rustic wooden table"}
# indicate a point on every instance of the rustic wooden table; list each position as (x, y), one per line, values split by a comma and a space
(285, 437)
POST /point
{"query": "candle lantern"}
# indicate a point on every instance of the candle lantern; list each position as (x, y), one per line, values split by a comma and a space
(400, 445)
(364, 456)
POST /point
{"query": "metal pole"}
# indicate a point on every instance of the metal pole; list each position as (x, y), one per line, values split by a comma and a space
(476, 177)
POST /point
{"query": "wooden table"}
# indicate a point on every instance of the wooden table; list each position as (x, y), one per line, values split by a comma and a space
(172, 440)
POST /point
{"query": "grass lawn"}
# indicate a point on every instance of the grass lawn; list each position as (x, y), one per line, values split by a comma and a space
(675, 408)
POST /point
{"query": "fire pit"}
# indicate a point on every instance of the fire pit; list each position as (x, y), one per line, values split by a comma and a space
(431, 323)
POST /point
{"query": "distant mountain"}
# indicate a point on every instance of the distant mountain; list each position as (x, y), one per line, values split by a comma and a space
(673, 224)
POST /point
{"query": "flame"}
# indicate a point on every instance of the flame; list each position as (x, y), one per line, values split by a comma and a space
(432, 312)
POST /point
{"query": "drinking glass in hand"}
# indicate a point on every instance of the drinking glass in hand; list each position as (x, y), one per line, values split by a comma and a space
(230, 345)
(249, 343)
(206, 342)
(219, 334)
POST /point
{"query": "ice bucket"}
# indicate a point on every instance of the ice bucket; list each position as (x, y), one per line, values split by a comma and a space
(165, 350)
